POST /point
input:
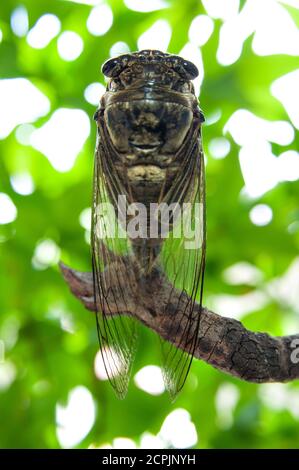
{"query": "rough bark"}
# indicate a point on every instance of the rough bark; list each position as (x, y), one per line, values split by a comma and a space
(222, 342)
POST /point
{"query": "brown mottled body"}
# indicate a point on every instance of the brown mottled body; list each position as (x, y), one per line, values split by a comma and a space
(148, 150)
(149, 111)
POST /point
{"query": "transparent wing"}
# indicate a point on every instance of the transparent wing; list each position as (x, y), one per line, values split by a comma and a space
(113, 276)
(182, 261)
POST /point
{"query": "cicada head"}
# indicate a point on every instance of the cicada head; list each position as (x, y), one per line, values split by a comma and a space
(150, 66)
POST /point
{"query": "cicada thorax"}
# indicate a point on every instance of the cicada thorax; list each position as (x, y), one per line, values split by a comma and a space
(149, 118)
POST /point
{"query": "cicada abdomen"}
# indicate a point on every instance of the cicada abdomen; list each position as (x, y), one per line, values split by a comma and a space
(149, 206)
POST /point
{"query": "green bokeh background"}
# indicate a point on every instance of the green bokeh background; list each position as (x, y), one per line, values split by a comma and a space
(50, 361)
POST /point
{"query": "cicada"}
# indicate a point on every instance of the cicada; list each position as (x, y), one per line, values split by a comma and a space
(148, 215)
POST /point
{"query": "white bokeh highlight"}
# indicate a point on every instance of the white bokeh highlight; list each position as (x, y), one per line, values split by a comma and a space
(223, 9)
(226, 400)
(146, 5)
(272, 18)
(200, 30)
(261, 169)
(93, 93)
(62, 137)
(278, 397)
(156, 37)
(123, 443)
(288, 165)
(8, 373)
(150, 380)
(76, 418)
(238, 306)
(100, 20)
(120, 47)
(20, 102)
(70, 45)
(45, 29)
(213, 117)
(85, 2)
(242, 273)
(19, 21)
(285, 289)
(22, 183)
(85, 218)
(178, 430)
(245, 126)
(8, 211)
(286, 90)
(46, 254)
(261, 215)
(23, 133)
(114, 363)
(219, 147)
(150, 441)
(274, 31)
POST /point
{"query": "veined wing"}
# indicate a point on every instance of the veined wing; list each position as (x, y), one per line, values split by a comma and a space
(182, 261)
(112, 274)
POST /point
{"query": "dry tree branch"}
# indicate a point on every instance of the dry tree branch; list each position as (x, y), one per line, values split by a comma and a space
(223, 342)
